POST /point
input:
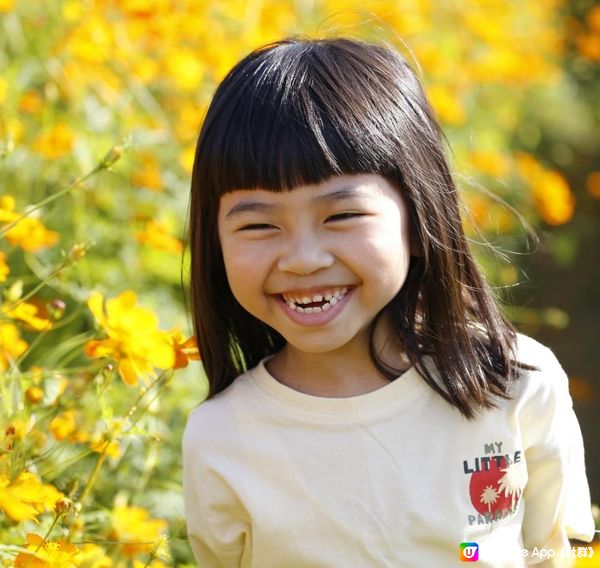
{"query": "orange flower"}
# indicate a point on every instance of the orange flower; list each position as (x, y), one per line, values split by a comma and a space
(156, 235)
(148, 175)
(491, 163)
(56, 141)
(31, 103)
(593, 184)
(593, 19)
(185, 350)
(134, 339)
(551, 193)
(59, 554)
(589, 46)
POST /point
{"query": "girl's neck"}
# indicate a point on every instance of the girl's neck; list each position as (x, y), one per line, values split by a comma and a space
(348, 371)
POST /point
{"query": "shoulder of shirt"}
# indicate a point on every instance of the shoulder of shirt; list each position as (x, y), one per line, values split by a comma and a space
(217, 416)
(548, 375)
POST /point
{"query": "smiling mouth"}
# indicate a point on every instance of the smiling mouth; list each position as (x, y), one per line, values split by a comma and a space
(315, 303)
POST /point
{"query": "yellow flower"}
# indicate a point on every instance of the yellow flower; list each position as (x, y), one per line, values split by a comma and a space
(185, 68)
(31, 103)
(187, 157)
(551, 193)
(4, 268)
(93, 42)
(6, 5)
(156, 235)
(133, 526)
(148, 175)
(186, 350)
(60, 554)
(29, 233)
(554, 199)
(11, 345)
(30, 314)
(153, 564)
(446, 104)
(92, 556)
(593, 558)
(26, 497)
(55, 142)
(100, 444)
(189, 116)
(491, 163)
(15, 431)
(7, 209)
(63, 425)
(3, 89)
(34, 394)
(134, 339)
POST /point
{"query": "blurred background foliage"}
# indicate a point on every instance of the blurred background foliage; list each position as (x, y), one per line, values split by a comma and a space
(100, 105)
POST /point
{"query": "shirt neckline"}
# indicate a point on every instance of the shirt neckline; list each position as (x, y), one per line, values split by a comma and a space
(399, 393)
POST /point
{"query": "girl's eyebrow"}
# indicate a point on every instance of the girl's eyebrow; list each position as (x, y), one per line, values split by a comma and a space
(341, 194)
(251, 206)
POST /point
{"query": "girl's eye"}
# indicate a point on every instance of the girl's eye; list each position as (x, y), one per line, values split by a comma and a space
(343, 216)
(256, 227)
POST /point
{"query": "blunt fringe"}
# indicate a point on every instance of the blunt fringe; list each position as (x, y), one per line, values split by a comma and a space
(298, 111)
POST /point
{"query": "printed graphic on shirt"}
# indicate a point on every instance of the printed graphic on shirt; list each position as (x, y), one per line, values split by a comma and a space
(497, 482)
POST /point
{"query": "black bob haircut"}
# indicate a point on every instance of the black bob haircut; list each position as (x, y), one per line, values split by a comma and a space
(298, 111)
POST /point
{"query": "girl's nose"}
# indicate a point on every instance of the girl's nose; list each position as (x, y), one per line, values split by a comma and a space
(305, 255)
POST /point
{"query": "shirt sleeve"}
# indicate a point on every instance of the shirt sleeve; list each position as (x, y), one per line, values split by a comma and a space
(557, 497)
(218, 527)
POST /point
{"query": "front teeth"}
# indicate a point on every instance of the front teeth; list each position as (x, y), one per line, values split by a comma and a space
(331, 299)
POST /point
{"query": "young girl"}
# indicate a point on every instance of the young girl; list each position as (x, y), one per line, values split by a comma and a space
(369, 405)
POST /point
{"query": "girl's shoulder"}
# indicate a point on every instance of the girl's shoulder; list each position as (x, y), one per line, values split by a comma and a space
(546, 373)
(217, 416)
(541, 396)
(531, 351)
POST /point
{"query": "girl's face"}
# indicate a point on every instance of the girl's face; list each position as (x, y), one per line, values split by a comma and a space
(319, 262)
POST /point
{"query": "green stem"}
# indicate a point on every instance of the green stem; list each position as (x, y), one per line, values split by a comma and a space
(108, 160)
(52, 198)
(94, 474)
(40, 285)
(152, 557)
(143, 393)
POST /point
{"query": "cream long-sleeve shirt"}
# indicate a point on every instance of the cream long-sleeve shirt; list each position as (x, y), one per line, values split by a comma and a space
(275, 478)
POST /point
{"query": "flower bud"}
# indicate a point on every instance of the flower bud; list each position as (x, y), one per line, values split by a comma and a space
(57, 309)
(77, 252)
(34, 394)
(63, 505)
(113, 155)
